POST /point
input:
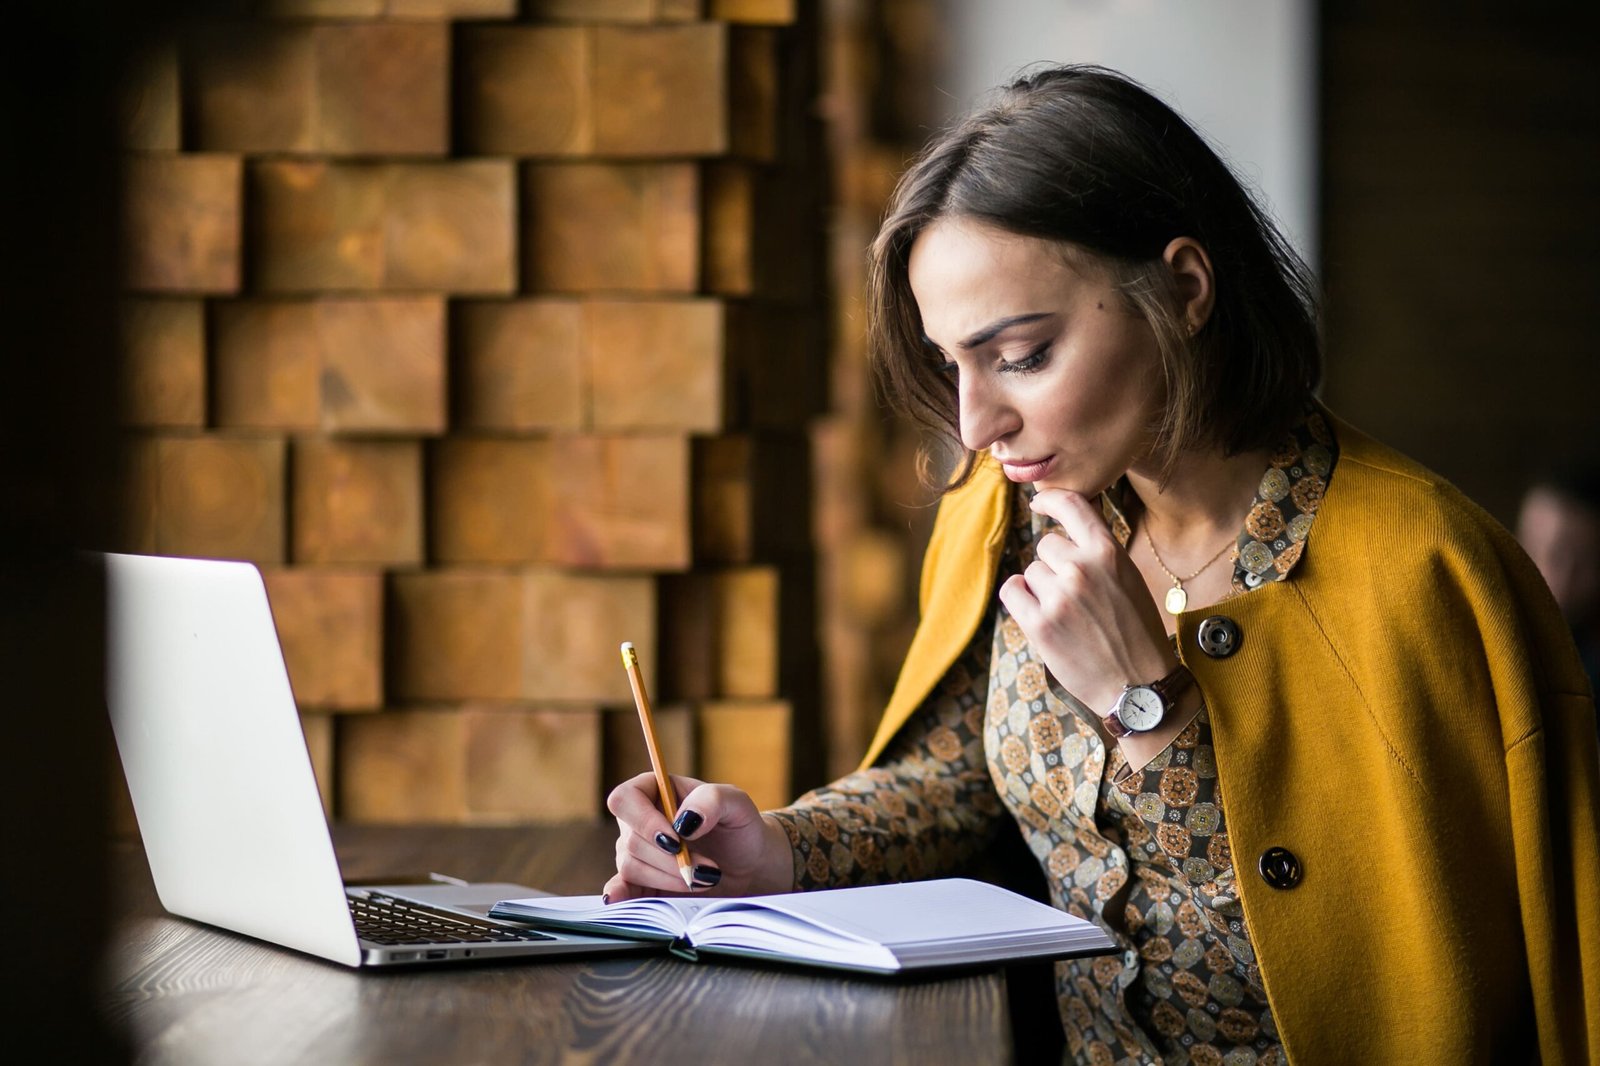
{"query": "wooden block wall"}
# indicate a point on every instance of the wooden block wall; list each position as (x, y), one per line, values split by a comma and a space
(493, 332)
(871, 516)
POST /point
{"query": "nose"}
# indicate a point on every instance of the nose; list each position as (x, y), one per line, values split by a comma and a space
(983, 413)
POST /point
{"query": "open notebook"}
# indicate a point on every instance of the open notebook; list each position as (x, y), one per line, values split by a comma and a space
(919, 925)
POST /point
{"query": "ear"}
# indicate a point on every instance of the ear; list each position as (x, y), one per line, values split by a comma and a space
(1191, 274)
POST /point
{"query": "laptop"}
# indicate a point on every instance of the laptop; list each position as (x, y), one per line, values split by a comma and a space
(225, 797)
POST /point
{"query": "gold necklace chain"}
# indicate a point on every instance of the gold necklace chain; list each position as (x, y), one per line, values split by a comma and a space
(1177, 598)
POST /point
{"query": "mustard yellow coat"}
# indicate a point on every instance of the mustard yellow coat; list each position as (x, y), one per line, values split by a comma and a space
(1407, 715)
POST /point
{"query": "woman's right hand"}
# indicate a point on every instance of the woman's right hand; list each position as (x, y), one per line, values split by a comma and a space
(736, 851)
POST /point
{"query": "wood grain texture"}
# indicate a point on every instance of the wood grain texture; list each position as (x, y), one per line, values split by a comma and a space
(662, 90)
(163, 363)
(403, 767)
(756, 12)
(746, 743)
(525, 90)
(456, 634)
(451, 226)
(330, 624)
(211, 497)
(530, 765)
(619, 502)
(252, 88)
(625, 753)
(474, 764)
(383, 87)
(326, 226)
(761, 232)
(657, 364)
(518, 365)
(722, 631)
(450, 9)
(316, 226)
(613, 10)
(752, 497)
(189, 991)
(357, 502)
(268, 364)
(753, 90)
(319, 730)
(611, 227)
(343, 365)
(572, 627)
(181, 223)
(493, 500)
(383, 365)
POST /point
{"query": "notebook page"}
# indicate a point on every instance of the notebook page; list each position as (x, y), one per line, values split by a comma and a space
(916, 912)
(665, 914)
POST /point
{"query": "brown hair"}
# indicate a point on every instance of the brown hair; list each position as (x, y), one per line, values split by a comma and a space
(1087, 157)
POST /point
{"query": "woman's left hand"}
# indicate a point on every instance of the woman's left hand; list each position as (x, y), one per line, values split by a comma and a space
(1084, 607)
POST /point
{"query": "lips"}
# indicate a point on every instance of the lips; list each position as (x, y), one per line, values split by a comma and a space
(1027, 469)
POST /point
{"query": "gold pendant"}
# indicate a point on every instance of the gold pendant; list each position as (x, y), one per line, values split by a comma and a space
(1177, 600)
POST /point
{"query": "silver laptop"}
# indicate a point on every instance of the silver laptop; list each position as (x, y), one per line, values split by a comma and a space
(225, 796)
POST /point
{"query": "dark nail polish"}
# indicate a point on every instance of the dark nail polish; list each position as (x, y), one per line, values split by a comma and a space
(707, 875)
(687, 823)
(605, 899)
(667, 844)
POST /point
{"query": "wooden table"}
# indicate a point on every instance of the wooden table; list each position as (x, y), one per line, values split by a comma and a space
(185, 993)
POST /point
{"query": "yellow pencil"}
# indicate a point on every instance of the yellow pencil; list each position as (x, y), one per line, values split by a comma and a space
(669, 796)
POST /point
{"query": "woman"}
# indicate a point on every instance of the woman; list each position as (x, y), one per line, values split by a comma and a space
(1280, 710)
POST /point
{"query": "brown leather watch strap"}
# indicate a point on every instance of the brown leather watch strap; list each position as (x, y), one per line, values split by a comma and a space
(1172, 686)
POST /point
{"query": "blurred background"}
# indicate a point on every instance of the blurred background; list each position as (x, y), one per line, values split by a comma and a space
(498, 332)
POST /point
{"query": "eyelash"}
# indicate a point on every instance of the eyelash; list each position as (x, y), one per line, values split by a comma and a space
(1030, 363)
(1033, 361)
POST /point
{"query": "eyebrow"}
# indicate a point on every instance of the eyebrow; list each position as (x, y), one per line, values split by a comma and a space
(994, 329)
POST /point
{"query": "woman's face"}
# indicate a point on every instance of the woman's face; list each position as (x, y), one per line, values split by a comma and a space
(1056, 378)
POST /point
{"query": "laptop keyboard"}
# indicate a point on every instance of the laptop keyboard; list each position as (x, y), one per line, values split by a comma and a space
(389, 921)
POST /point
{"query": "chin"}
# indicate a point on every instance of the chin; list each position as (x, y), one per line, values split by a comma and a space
(1072, 485)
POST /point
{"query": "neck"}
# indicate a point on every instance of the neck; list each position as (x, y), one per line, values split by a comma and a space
(1202, 505)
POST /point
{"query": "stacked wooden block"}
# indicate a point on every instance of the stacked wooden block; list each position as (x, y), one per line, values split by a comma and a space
(873, 515)
(492, 333)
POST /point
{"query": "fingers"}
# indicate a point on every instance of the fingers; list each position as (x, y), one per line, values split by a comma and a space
(708, 808)
(635, 802)
(647, 846)
(649, 864)
(1019, 599)
(1080, 519)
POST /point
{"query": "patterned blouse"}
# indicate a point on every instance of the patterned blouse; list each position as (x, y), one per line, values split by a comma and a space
(1143, 855)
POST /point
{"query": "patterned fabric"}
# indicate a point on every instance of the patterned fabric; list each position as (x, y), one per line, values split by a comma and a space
(927, 808)
(1144, 854)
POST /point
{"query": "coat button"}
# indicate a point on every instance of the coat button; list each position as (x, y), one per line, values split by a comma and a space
(1218, 636)
(1280, 868)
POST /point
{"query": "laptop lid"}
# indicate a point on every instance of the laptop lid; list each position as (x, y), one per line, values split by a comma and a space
(215, 758)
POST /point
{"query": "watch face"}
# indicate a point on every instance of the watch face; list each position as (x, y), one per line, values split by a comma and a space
(1141, 709)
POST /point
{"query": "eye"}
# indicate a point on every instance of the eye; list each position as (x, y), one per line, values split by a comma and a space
(947, 367)
(1034, 360)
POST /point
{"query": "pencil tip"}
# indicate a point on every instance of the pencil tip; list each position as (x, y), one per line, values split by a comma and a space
(688, 877)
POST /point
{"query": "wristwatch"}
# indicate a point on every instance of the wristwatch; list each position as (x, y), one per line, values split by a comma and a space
(1141, 708)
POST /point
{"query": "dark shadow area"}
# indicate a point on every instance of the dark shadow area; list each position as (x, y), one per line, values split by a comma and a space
(59, 118)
